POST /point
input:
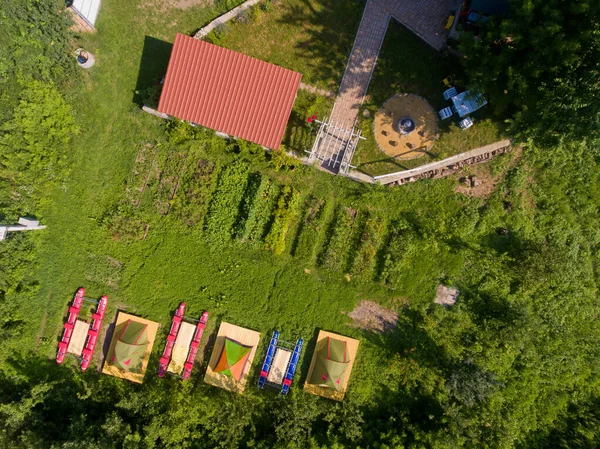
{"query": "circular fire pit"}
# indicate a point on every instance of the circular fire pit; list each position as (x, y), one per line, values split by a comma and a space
(405, 127)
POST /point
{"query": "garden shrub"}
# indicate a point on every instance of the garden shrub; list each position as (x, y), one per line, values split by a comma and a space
(217, 34)
(287, 207)
(224, 206)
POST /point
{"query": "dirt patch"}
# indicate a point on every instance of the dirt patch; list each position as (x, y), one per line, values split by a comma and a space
(485, 182)
(185, 4)
(371, 316)
(165, 5)
(405, 127)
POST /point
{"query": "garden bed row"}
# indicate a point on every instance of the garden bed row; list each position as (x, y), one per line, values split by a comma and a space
(232, 203)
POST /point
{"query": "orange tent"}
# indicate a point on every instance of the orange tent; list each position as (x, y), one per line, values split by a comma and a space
(233, 359)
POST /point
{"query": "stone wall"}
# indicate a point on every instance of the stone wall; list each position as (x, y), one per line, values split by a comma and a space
(202, 32)
(446, 166)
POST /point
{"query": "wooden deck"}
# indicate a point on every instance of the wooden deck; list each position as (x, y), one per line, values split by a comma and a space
(241, 335)
(78, 338)
(352, 349)
(151, 333)
(181, 347)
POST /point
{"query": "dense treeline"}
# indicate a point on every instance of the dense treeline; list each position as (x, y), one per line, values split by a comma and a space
(36, 123)
(36, 126)
(540, 67)
(513, 364)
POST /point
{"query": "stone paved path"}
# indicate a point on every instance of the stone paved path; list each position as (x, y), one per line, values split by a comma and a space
(426, 18)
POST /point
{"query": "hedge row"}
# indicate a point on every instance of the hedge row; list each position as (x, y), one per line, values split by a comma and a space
(287, 208)
(338, 241)
(225, 203)
(261, 211)
(313, 233)
(195, 191)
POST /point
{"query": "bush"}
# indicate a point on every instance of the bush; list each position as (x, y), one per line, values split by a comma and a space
(217, 34)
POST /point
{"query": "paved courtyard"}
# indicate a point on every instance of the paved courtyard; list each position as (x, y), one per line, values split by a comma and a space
(426, 18)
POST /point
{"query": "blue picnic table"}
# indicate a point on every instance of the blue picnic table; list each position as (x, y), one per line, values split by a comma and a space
(467, 102)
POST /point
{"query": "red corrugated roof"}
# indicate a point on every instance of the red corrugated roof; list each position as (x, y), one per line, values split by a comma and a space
(229, 92)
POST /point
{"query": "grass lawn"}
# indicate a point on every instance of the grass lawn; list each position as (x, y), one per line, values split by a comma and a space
(406, 64)
(241, 283)
(337, 242)
(312, 37)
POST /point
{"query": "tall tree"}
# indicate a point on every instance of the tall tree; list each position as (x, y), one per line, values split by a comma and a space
(540, 66)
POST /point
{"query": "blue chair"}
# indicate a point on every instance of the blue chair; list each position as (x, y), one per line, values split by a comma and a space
(446, 113)
(465, 123)
(450, 93)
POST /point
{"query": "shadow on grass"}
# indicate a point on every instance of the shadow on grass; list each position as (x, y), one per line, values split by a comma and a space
(329, 38)
(403, 397)
(153, 66)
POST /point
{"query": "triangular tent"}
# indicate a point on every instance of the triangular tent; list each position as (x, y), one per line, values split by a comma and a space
(131, 346)
(331, 364)
(233, 359)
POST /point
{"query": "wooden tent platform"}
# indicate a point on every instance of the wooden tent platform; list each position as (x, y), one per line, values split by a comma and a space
(78, 338)
(242, 335)
(151, 329)
(351, 347)
(279, 365)
(181, 347)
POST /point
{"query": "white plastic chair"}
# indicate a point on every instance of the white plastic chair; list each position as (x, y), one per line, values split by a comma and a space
(465, 123)
(449, 93)
(446, 113)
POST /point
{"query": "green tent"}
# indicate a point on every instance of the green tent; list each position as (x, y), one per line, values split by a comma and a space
(233, 359)
(331, 364)
(131, 346)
